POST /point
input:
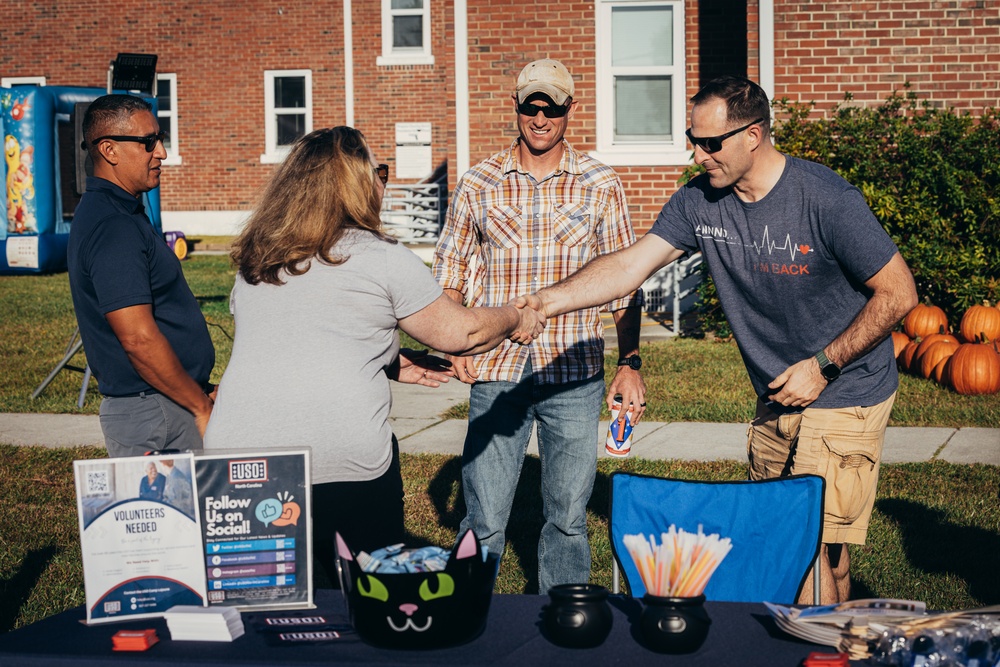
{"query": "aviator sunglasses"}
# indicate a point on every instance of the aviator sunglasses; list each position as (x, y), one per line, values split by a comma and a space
(148, 141)
(714, 144)
(551, 111)
(382, 171)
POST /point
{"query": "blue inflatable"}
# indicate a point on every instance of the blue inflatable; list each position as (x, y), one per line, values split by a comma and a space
(38, 171)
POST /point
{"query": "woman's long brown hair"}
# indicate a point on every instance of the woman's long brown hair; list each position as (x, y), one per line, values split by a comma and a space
(325, 185)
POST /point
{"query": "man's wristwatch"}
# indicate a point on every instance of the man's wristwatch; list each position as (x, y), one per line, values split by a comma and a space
(830, 370)
(633, 361)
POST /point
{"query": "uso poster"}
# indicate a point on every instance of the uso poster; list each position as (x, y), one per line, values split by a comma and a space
(140, 536)
(255, 513)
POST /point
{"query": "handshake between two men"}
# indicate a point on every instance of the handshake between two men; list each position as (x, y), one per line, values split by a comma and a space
(533, 310)
(532, 321)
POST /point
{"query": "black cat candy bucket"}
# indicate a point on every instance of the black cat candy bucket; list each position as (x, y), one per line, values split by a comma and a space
(420, 610)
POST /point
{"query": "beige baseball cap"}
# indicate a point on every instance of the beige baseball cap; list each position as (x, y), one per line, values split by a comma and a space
(545, 76)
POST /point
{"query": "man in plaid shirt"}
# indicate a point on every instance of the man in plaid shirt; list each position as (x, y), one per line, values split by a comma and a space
(521, 220)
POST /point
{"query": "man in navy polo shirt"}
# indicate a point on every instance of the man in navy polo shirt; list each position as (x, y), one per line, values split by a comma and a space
(144, 334)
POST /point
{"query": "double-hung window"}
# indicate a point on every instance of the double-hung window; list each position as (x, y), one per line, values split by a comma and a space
(406, 33)
(287, 111)
(166, 114)
(641, 82)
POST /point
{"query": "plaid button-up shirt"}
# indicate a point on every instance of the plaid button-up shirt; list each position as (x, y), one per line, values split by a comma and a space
(507, 234)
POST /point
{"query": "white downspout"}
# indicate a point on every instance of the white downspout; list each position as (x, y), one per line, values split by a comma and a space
(348, 66)
(462, 152)
(766, 44)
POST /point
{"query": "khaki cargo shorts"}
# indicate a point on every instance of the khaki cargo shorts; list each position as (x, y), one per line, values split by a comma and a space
(842, 445)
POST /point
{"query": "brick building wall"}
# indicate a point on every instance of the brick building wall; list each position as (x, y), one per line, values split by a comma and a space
(948, 50)
(386, 95)
(219, 56)
(503, 38)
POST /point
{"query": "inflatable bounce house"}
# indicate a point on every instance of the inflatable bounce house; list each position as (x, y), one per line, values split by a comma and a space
(44, 174)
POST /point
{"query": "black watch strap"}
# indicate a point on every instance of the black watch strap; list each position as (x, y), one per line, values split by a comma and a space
(633, 361)
(830, 370)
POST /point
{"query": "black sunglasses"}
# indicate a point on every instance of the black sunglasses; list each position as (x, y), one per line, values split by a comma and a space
(714, 144)
(382, 171)
(551, 111)
(148, 141)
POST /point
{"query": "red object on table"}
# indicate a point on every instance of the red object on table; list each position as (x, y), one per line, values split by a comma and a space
(816, 659)
(134, 640)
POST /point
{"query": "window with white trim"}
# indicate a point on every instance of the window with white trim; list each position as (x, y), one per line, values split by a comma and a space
(166, 114)
(406, 33)
(641, 104)
(11, 81)
(287, 111)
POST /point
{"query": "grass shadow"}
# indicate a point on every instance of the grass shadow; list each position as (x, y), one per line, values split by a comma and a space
(860, 590)
(599, 505)
(526, 520)
(440, 490)
(970, 555)
(690, 327)
(14, 592)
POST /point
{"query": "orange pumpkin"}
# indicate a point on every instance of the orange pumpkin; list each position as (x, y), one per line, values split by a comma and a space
(925, 345)
(975, 369)
(899, 341)
(936, 353)
(905, 361)
(941, 372)
(924, 320)
(982, 322)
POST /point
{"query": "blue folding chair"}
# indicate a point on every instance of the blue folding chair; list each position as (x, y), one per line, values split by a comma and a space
(775, 525)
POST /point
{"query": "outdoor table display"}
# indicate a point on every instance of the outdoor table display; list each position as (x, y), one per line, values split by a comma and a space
(234, 530)
(740, 633)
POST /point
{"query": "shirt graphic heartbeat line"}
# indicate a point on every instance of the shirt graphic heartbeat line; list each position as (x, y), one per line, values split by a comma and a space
(721, 235)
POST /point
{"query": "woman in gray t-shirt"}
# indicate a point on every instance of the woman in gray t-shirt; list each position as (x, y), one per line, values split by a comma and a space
(320, 293)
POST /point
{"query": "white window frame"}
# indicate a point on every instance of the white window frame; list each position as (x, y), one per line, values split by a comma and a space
(273, 153)
(11, 81)
(169, 118)
(674, 152)
(405, 56)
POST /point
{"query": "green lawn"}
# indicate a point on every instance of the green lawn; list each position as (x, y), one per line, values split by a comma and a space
(687, 379)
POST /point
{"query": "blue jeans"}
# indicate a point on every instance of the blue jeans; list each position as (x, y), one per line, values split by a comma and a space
(500, 419)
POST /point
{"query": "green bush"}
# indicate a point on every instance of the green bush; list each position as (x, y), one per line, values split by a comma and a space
(932, 178)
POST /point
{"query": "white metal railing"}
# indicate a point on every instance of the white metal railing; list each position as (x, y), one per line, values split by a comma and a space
(413, 213)
(674, 289)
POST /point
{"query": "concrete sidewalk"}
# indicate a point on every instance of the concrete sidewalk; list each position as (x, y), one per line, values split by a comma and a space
(416, 421)
(418, 430)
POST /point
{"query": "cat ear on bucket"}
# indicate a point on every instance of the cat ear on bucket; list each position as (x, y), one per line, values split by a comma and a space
(342, 549)
(468, 546)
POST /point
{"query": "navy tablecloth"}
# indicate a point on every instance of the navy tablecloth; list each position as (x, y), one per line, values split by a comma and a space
(741, 634)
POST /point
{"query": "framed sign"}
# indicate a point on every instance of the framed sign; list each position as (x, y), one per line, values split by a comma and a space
(255, 512)
(140, 536)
